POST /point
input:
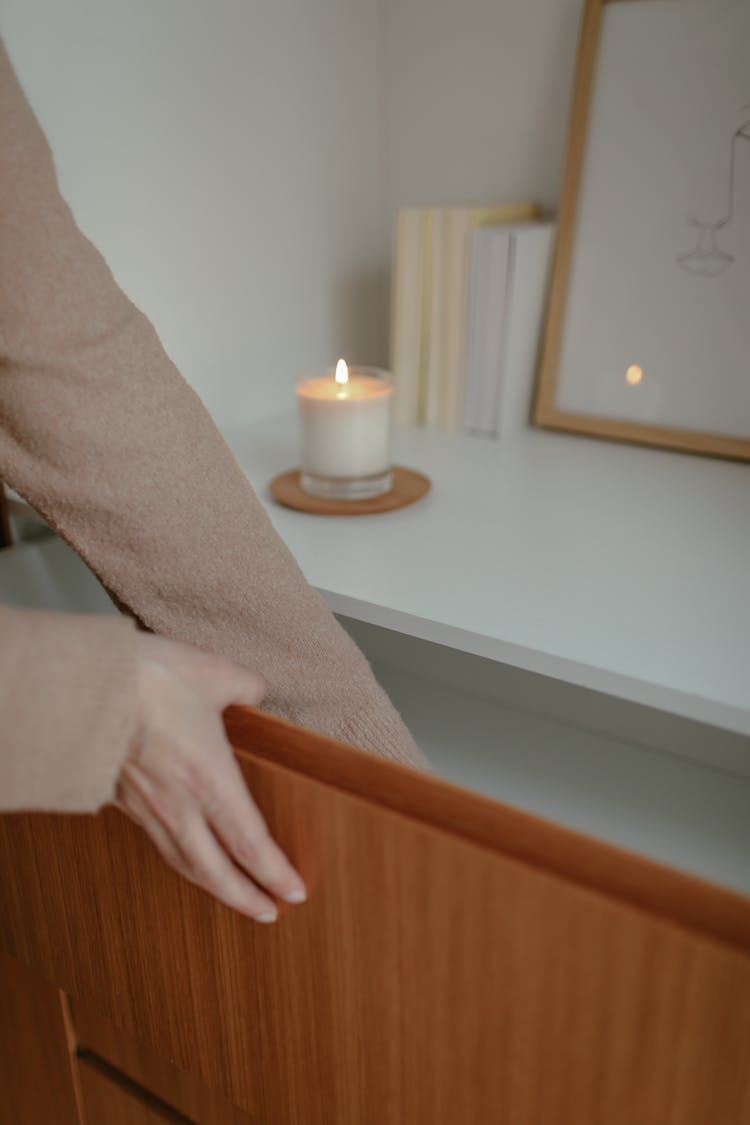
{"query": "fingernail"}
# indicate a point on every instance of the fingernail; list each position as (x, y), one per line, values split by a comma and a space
(296, 896)
(266, 916)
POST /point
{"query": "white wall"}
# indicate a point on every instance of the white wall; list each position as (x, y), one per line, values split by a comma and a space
(477, 98)
(238, 162)
(227, 158)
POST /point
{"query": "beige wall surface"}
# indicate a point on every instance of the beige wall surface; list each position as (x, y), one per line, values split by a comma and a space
(239, 163)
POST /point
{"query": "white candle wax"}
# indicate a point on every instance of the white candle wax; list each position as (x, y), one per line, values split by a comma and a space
(345, 426)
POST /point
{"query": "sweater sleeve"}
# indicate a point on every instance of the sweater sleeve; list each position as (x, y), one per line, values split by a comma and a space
(67, 708)
(102, 435)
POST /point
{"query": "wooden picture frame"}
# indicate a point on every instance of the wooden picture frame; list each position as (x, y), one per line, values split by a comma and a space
(548, 411)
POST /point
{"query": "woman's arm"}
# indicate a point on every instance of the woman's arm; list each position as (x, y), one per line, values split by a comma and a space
(68, 708)
(92, 711)
(104, 438)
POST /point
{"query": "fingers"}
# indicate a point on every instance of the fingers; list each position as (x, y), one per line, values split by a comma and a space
(181, 783)
(209, 866)
(187, 844)
(130, 802)
(213, 676)
(235, 819)
(190, 833)
(237, 685)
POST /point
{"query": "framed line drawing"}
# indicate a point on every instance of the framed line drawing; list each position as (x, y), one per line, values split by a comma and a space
(648, 327)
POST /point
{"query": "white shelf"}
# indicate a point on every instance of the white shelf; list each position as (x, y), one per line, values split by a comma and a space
(679, 813)
(619, 569)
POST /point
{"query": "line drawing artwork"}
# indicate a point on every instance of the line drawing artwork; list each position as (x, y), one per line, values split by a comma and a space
(707, 257)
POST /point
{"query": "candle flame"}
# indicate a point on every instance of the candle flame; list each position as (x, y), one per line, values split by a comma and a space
(634, 374)
(342, 372)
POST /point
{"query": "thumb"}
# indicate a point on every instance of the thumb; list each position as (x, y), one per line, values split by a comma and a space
(248, 688)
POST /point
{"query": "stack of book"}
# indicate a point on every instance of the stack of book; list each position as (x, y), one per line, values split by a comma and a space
(469, 288)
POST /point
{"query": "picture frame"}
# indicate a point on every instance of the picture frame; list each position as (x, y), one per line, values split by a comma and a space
(686, 268)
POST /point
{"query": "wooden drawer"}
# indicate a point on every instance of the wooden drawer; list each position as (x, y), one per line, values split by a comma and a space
(141, 1071)
(109, 1101)
(36, 1067)
(458, 960)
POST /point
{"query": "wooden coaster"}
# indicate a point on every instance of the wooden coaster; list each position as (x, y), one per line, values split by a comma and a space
(408, 486)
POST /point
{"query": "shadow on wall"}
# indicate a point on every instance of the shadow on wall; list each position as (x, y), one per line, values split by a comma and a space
(360, 315)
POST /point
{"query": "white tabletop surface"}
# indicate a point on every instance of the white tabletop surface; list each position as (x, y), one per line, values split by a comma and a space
(621, 569)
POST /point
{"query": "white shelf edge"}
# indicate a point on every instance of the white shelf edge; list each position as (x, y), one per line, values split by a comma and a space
(674, 811)
(659, 696)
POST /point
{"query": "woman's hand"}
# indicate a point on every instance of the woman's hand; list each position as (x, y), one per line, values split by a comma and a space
(181, 783)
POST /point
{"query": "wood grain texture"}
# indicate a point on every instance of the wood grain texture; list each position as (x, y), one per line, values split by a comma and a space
(442, 971)
(544, 399)
(107, 1100)
(36, 1080)
(143, 1066)
(408, 487)
(661, 891)
(72, 1047)
(546, 411)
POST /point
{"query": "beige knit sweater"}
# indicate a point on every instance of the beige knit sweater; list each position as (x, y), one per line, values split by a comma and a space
(101, 434)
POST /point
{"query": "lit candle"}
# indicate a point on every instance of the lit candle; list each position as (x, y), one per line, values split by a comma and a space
(345, 424)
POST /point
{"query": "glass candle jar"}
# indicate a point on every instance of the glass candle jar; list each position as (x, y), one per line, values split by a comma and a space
(345, 422)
